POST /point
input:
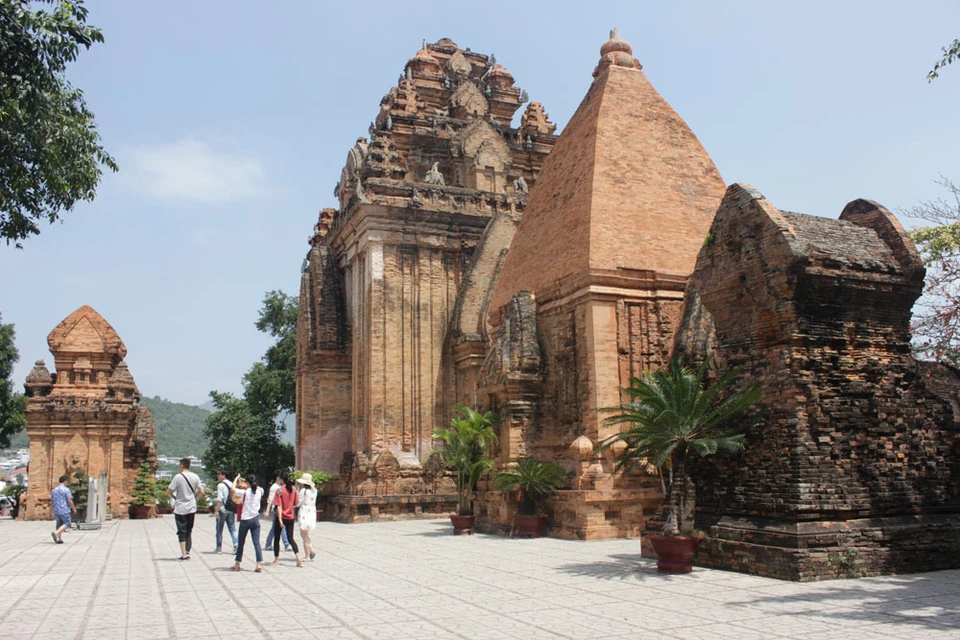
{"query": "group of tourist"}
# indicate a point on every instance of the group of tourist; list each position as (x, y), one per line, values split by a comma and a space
(289, 504)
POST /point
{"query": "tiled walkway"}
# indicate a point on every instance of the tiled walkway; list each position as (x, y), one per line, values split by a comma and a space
(416, 580)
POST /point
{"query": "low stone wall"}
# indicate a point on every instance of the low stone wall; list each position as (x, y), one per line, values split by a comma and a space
(806, 551)
(353, 509)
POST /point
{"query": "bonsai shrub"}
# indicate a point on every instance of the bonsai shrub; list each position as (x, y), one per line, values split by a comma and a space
(466, 443)
(535, 479)
(163, 498)
(80, 489)
(672, 415)
(144, 487)
(14, 492)
(320, 478)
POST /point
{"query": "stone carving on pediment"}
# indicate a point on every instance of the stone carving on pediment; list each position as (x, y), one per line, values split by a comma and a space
(75, 455)
(468, 102)
(516, 349)
(458, 65)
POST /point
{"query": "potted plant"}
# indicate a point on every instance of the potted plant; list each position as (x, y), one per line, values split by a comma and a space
(80, 490)
(671, 416)
(163, 498)
(143, 497)
(465, 448)
(536, 481)
(14, 492)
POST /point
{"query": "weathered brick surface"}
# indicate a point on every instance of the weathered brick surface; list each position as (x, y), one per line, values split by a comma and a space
(85, 416)
(604, 247)
(410, 257)
(853, 453)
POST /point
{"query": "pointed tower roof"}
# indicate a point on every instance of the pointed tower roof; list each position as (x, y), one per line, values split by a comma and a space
(85, 331)
(627, 186)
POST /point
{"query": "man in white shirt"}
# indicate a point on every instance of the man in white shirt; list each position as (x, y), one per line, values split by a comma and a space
(184, 489)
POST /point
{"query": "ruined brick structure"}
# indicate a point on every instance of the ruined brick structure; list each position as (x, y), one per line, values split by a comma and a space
(397, 280)
(427, 288)
(853, 465)
(86, 415)
(593, 285)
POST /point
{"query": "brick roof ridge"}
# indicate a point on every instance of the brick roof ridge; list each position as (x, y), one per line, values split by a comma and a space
(627, 186)
(111, 339)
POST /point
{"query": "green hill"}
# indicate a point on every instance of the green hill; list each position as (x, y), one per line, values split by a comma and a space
(179, 427)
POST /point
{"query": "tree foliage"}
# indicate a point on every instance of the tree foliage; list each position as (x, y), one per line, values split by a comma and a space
(675, 414)
(50, 151)
(950, 53)
(12, 405)
(270, 385)
(936, 317)
(244, 433)
(242, 441)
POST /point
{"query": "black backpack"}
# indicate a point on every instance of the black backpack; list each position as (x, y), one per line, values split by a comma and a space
(229, 505)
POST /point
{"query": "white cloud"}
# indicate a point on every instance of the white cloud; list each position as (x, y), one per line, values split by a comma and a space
(195, 171)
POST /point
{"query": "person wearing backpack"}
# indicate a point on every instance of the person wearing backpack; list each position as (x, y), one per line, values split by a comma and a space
(225, 510)
(184, 489)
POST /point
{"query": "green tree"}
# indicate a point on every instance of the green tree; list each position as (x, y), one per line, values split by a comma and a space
(466, 443)
(950, 53)
(243, 441)
(270, 385)
(936, 317)
(12, 405)
(244, 433)
(673, 415)
(50, 151)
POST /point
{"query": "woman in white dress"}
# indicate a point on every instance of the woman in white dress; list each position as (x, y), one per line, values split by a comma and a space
(307, 520)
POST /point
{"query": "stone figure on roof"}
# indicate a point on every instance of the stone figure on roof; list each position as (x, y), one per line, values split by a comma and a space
(434, 176)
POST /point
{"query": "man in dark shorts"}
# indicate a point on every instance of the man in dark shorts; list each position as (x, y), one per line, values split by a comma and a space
(184, 489)
(62, 500)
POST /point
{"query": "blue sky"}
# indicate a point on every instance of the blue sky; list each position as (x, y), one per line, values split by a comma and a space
(231, 122)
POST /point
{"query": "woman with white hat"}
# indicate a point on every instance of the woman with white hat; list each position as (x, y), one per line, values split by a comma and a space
(308, 512)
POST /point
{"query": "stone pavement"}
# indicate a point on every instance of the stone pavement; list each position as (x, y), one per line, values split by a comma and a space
(416, 580)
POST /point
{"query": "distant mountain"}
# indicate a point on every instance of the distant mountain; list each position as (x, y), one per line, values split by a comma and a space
(179, 426)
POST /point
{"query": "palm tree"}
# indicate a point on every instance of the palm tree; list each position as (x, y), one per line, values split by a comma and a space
(672, 415)
(536, 480)
(465, 446)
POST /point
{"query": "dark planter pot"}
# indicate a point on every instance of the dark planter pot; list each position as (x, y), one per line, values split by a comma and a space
(140, 511)
(530, 526)
(319, 513)
(675, 555)
(164, 511)
(462, 525)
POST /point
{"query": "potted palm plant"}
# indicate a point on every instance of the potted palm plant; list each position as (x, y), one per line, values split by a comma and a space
(466, 443)
(143, 497)
(535, 480)
(671, 416)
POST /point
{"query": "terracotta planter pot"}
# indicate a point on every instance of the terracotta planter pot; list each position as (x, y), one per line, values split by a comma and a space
(462, 525)
(140, 511)
(675, 555)
(530, 526)
(319, 513)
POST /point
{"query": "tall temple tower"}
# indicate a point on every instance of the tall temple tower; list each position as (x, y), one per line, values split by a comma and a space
(394, 291)
(591, 291)
(85, 416)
